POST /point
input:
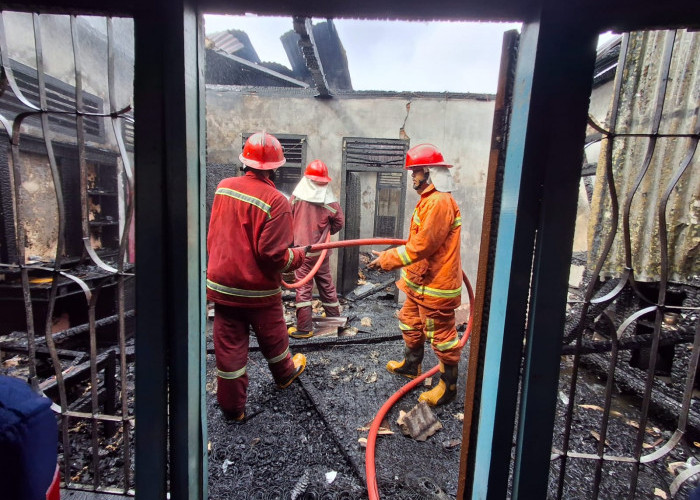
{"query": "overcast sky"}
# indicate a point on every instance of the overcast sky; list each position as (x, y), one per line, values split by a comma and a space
(394, 55)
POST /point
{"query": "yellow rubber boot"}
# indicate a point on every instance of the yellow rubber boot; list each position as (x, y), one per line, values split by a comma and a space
(446, 390)
(299, 334)
(410, 365)
(299, 361)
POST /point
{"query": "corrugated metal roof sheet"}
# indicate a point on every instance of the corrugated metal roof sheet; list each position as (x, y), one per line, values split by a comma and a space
(658, 159)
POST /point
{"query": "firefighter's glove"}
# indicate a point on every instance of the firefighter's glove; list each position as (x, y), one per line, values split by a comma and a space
(307, 249)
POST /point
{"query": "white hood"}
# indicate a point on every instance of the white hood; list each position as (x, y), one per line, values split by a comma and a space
(312, 192)
(441, 177)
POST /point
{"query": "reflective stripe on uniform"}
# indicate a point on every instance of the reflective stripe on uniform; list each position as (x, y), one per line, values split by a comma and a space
(330, 304)
(430, 328)
(405, 327)
(279, 358)
(230, 375)
(313, 254)
(239, 292)
(456, 223)
(431, 292)
(444, 346)
(290, 259)
(333, 210)
(299, 305)
(416, 219)
(245, 198)
(403, 255)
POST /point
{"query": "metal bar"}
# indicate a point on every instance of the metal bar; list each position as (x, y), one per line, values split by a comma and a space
(76, 330)
(80, 128)
(92, 300)
(609, 388)
(94, 386)
(110, 384)
(661, 96)
(636, 342)
(123, 244)
(101, 489)
(20, 235)
(590, 290)
(60, 244)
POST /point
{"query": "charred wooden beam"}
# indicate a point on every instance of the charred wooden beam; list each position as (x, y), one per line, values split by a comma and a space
(76, 330)
(634, 342)
(662, 405)
(304, 28)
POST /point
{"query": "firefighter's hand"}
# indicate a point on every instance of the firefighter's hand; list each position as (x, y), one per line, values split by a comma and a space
(307, 249)
(375, 263)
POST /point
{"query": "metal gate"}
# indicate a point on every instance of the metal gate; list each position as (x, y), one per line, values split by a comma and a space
(627, 422)
(66, 255)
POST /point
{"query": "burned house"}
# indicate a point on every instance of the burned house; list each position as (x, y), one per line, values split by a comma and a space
(66, 236)
(524, 260)
(63, 186)
(361, 135)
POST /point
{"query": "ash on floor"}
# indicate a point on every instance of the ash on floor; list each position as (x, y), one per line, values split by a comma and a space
(297, 439)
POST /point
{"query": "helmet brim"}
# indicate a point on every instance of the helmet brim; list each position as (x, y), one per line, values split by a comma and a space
(260, 165)
(321, 179)
(428, 165)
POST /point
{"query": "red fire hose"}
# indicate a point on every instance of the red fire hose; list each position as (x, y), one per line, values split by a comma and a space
(370, 471)
(324, 247)
(314, 269)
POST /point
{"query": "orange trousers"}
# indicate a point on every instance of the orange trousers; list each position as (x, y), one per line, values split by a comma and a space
(419, 323)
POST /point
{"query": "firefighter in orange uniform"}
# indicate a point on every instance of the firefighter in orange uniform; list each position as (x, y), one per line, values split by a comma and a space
(431, 276)
(249, 240)
(316, 213)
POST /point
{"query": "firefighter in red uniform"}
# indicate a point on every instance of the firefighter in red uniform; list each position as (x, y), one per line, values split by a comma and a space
(249, 240)
(431, 276)
(316, 213)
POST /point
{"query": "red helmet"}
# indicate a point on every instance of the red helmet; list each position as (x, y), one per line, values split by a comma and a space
(425, 155)
(317, 171)
(262, 151)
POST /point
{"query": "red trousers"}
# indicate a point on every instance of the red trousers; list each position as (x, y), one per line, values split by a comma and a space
(231, 336)
(326, 290)
(419, 323)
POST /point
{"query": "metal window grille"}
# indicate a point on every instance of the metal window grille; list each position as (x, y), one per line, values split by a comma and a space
(636, 321)
(74, 312)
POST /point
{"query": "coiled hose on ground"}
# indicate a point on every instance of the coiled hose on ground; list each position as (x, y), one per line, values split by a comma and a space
(370, 470)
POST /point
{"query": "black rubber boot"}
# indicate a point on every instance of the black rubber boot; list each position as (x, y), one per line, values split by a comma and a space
(410, 366)
(446, 390)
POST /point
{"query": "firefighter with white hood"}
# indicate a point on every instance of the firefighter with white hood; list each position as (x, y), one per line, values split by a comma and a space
(316, 213)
